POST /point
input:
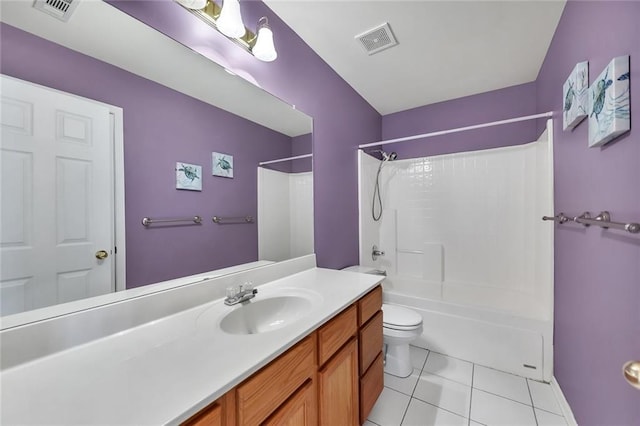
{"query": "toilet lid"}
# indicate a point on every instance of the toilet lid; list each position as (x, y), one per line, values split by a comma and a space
(396, 316)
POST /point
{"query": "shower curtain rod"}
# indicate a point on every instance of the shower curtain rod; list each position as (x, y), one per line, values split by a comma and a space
(280, 160)
(459, 129)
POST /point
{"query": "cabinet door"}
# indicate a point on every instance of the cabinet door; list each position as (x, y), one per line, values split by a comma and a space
(299, 410)
(210, 416)
(338, 388)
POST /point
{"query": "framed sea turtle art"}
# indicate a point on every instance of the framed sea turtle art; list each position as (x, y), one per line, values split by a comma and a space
(188, 176)
(222, 164)
(575, 101)
(609, 103)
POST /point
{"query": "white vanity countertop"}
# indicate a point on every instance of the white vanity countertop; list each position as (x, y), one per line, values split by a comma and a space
(166, 370)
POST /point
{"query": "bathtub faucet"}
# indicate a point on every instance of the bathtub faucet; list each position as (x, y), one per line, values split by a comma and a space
(375, 252)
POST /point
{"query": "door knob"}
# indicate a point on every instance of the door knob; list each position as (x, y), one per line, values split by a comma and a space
(101, 255)
(631, 372)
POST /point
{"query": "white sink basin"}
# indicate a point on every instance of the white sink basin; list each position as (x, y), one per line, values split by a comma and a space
(261, 315)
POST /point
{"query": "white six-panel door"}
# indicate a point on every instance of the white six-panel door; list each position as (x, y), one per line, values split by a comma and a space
(57, 198)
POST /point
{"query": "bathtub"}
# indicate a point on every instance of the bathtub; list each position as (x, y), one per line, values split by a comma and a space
(460, 322)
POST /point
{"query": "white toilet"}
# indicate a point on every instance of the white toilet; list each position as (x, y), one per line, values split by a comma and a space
(400, 326)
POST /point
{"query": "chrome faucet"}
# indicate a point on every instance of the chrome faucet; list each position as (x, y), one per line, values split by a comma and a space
(240, 294)
(375, 252)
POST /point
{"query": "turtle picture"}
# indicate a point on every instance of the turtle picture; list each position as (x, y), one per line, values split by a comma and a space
(609, 96)
(568, 97)
(190, 172)
(575, 97)
(188, 176)
(599, 94)
(222, 165)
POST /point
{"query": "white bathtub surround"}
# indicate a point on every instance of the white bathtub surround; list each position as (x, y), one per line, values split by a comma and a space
(143, 361)
(442, 397)
(285, 214)
(466, 247)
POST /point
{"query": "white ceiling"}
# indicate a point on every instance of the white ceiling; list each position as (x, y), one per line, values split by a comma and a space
(447, 49)
(99, 30)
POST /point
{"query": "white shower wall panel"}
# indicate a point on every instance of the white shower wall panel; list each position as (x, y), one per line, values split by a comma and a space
(301, 213)
(285, 214)
(474, 205)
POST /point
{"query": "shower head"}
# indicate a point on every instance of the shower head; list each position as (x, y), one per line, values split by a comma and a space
(389, 157)
(386, 156)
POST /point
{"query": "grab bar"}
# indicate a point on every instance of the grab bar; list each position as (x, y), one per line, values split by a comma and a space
(146, 221)
(229, 220)
(603, 220)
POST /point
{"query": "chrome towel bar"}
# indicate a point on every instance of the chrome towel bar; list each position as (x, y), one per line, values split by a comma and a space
(230, 220)
(146, 221)
(603, 220)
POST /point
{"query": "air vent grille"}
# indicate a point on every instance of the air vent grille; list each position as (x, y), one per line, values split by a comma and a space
(377, 39)
(60, 9)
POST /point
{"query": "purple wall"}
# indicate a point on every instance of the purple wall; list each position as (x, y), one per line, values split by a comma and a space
(301, 145)
(597, 272)
(342, 119)
(162, 126)
(515, 101)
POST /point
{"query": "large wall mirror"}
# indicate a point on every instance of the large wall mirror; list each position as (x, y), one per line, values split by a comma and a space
(191, 139)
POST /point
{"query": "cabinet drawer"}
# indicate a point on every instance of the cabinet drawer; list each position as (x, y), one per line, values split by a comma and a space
(266, 390)
(369, 305)
(370, 341)
(336, 333)
(371, 385)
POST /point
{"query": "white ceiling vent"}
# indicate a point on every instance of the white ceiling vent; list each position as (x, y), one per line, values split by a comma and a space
(377, 39)
(60, 9)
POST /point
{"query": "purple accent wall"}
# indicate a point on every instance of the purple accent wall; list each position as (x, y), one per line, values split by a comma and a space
(597, 272)
(301, 145)
(342, 119)
(162, 126)
(515, 101)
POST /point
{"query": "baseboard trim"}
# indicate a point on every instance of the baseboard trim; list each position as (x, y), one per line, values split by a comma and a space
(564, 404)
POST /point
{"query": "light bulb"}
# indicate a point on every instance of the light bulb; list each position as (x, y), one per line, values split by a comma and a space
(229, 22)
(193, 4)
(264, 49)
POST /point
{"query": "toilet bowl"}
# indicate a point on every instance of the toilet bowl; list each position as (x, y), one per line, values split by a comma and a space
(400, 327)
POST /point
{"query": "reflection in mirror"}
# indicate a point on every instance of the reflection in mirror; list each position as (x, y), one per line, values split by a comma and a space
(183, 138)
(285, 205)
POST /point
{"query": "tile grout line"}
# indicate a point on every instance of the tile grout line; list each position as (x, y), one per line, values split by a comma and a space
(415, 386)
(506, 397)
(439, 408)
(473, 371)
(535, 418)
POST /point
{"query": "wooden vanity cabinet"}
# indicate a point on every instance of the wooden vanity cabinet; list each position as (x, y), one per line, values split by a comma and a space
(370, 341)
(263, 393)
(338, 399)
(299, 410)
(331, 378)
(219, 413)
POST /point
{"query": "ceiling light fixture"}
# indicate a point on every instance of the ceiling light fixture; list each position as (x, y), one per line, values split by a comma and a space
(230, 22)
(263, 48)
(227, 20)
(193, 4)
